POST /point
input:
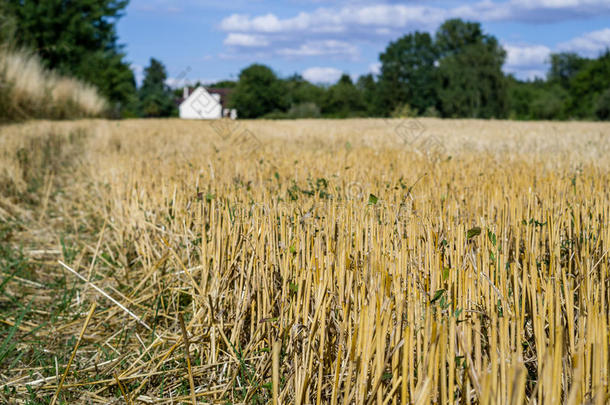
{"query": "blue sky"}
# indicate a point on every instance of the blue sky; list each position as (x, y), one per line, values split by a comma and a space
(321, 39)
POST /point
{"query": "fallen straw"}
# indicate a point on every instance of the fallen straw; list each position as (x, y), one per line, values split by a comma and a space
(80, 337)
(187, 355)
(123, 391)
(134, 316)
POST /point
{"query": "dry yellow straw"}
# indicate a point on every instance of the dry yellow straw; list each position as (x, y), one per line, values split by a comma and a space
(277, 346)
(80, 337)
(187, 354)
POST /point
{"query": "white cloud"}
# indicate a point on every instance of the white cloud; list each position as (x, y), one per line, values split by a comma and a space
(245, 40)
(375, 68)
(320, 48)
(138, 72)
(322, 74)
(527, 55)
(326, 20)
(555, 10)
(531, 74)
(175, 83)
(589, 44)
(385, 19)
(526, 61)
(555, 4)
(268, 23)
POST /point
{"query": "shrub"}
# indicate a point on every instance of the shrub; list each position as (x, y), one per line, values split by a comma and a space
(602, 106)
(432, 112)
(404, 111)
(304, 110)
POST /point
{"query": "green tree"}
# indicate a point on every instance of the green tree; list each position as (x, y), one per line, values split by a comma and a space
(223, 84)
(471, 81)
(455, 35)
(8, 27)
(300, 91)
(343, 100)
(602, 106)
(520, 97)
(408, 72)
(564, 67)
(258, 92)
(156, 98)
(369, 89)
(77, 38)
(549, 102)
(587, 85)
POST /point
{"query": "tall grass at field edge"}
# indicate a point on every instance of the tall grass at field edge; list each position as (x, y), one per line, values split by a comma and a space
(28, 90)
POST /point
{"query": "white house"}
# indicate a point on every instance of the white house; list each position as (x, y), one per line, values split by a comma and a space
(205, 104)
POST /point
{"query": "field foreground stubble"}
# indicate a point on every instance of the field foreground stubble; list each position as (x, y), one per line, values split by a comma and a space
(328, 262)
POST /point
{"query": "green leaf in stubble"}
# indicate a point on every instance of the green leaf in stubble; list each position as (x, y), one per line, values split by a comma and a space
(437, 295)
(476, 231)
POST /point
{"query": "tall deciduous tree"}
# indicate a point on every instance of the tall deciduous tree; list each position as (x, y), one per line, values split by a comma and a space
(300, 91)
(472, 83)
(408, 72)
(8, 27)
(369, 89)
(587, 86)
(602, 106)
(343, 99)
(258, 92)
(564, 67)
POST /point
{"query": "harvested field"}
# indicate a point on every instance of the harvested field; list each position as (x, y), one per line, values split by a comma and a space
(312, 262)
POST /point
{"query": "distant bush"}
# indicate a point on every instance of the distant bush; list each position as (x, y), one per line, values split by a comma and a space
(404, 111)
(549, 104)
(28, 90)
(275, 115)
(304, 110)
(432, 112)
(602, 106)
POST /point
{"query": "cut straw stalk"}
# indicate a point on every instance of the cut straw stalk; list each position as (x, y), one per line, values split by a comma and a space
(277, 347)
(339, 283)
(80, 337)
(96, 288)
(187, 355)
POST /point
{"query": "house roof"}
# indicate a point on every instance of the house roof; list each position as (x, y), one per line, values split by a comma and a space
(225, 94)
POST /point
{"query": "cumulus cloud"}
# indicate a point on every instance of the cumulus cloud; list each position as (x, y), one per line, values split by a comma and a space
(531, 74)
(385, 18)
(245, 40)
(322, 74)
(527, 55)
(321, 48)
(589, 44)
(268, 23)
(174, 82)
(555, 10)
(138, 72)
(344, 19)
(375, 68)
(526, 61)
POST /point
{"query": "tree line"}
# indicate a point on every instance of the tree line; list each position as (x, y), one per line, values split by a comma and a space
(455, 73)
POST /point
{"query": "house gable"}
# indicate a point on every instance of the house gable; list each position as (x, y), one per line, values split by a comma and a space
(201, 105)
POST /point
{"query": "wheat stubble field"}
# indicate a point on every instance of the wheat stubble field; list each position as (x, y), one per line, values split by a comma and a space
(326, 262)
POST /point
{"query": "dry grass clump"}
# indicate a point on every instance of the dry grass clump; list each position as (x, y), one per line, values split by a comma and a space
(317, 262)
(31, 91)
